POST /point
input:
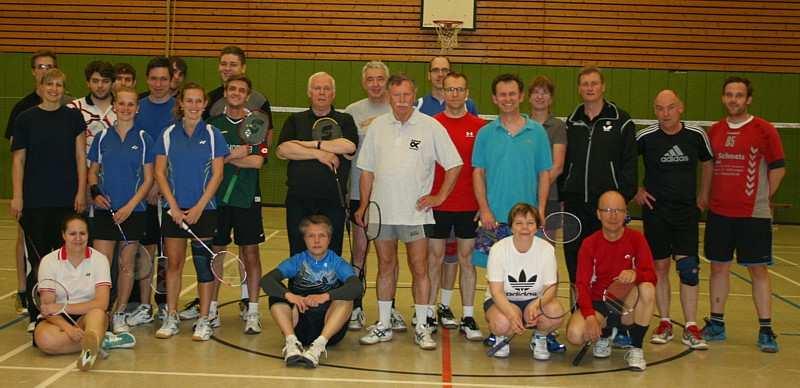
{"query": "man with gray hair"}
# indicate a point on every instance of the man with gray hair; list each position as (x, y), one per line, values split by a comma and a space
(316, 166)
(374, 75)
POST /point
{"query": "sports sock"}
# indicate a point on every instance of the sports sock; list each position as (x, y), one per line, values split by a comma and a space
(637, 335)
(668, 320)
(322, 341)
(291, 338)
(469, 311)
(212, 309)
(765, 325)
(245, 293)
(445, 296)
(422, 311)
(385, 313)
(718, 319)
(252, 307)
(690, 323)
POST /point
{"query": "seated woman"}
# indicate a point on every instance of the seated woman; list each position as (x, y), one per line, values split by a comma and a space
(88, 296)
(519, 269)
(315, 309)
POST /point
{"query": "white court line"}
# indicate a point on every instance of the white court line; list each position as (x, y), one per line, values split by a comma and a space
(15, 351)
(8, 295)
(768, 270)
(8, 269)
(61, 373)
(272, 377)
(785, 261)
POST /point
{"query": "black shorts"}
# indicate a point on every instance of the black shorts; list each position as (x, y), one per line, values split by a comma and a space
(245, 223)
(205, 227)
(462, 223)
(671, 229)
(751, 238)
(519, 303)
(105, 228)
(152, 229)
(309, 324)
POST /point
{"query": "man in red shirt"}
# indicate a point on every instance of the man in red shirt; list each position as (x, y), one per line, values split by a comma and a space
(748, 168)
(457, 212)
(604, 257)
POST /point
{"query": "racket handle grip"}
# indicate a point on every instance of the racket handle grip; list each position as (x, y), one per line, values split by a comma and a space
(183, 225)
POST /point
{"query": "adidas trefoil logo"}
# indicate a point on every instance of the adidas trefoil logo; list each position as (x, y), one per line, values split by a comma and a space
(524, 283)
(674, 155)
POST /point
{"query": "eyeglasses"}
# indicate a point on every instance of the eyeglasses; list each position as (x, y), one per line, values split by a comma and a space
(614, 211)
(455, 90)
(43, 66)
(440, 70)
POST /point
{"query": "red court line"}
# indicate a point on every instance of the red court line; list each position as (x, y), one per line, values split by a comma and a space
(447, 369)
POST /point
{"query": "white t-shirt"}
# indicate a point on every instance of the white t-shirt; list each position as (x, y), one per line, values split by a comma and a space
(524, 275)
(403, 157)
(79, 281)
(363, 112)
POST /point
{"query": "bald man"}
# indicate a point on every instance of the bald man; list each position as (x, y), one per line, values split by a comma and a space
(671, 206)
(603, 258)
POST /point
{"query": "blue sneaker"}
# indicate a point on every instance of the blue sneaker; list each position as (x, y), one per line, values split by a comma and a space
(622, 339)
(713, 331)
(124, 340)
(490, 340)
(553, 346)
(767, 343)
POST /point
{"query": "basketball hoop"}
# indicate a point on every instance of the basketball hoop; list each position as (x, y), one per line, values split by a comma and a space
(447, 32)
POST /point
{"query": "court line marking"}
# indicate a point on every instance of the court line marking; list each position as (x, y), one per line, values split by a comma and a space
(61, 373)
(15, 351)
(8, 295)
(260, 377)
(785, 261)
(775, 294)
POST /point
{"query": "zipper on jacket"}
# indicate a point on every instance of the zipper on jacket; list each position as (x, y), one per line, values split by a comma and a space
(614, 175)
(586, 167)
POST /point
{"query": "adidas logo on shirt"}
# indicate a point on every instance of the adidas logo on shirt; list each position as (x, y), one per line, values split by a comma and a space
(522, 283)
(674, 155)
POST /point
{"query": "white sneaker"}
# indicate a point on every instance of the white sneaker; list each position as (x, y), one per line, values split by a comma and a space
(162, 312)
(90, 349)
(118, 324)
(423, 338)
(356, 319)
(470, 329)
(214, 319)
(31, 327)
(190, 310)
(312, 355)
(538, 346)
(169, 326)
(505, 351)
(252, 323)
(397, 321)
(203, 330)
(635, 359)
(124, 340)
(602, 348)
(142, 315)
(376, 333)
(292, 352)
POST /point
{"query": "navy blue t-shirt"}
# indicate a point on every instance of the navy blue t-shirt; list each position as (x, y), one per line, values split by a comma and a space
(122, 163)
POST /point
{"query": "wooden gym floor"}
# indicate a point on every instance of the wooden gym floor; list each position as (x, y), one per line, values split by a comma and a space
(235, 359)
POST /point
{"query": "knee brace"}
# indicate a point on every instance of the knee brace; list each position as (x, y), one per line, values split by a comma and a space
(202, 263)
(688, 270)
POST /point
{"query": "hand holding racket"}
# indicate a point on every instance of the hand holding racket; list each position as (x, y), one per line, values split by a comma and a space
(252, 131)
(51, 298)
(220, 260)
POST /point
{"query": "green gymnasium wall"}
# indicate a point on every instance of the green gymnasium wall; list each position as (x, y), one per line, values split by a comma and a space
(777, 98)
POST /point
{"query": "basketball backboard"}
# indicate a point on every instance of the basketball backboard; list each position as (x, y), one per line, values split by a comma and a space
(462, 10)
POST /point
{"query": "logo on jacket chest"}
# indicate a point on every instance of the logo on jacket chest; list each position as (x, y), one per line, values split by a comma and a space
(413, 144)
(607, 126)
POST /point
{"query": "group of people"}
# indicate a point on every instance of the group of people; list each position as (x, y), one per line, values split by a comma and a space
(154, 164)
